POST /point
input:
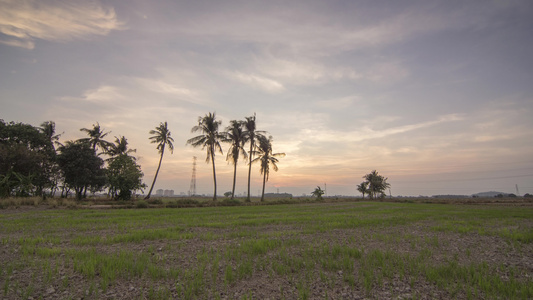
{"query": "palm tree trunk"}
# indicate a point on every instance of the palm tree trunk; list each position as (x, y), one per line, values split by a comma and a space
(264, 181)
(214, 173)
(234, 179)
(250, 168)
(156, 172)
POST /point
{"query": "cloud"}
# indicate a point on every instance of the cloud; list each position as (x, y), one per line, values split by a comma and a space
(18, 43)
(23, 21)
(367, 133)
(259, 82)
(103, 94)
(311, 31)
(337, 103)
(162, 86)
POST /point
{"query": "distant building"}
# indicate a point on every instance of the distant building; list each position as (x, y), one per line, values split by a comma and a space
(159, 192)
(169, 193)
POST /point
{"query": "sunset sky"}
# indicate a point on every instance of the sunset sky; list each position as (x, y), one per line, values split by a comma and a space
(435, 95)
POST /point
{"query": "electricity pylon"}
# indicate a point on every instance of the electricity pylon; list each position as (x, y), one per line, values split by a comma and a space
(192, 188)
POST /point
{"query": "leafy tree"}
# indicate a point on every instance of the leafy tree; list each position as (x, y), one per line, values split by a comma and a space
(363, 188)
(266, 158)
(318, 192)
(25, 153)
(96, 137)
(377, 184)
(161, 137)
(251, 135)
(235, 136)
(210, 140)
(124, 177)
(82, 169)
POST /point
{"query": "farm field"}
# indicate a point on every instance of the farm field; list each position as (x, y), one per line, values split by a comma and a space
(342, 250)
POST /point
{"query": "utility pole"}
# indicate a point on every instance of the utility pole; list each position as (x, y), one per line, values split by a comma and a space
(192, 188)
(326, 189)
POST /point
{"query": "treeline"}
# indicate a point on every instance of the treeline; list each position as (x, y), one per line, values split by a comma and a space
(34, 163)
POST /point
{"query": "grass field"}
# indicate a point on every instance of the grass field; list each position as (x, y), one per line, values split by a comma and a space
(339, 250)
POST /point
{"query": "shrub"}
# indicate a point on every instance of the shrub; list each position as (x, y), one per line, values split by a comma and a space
(141, 204)
(187, 203)
(172, 204)
(155, 201)
(230, 202)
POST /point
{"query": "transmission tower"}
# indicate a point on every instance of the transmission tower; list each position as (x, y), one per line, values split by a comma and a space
(192, 188)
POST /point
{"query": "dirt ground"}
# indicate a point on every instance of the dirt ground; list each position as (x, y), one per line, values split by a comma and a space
(61, 281)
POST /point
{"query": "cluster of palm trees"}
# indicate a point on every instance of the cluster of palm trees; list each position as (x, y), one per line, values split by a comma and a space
(96, 141)
(374, 185)
(237, 135)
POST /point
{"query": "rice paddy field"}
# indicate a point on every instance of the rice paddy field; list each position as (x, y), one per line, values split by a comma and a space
(339, 250)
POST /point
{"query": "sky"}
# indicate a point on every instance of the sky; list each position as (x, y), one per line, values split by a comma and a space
(437, 96)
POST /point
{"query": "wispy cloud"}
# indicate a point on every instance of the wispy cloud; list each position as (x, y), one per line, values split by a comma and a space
(24, 21)
(337, 103)
(259, 82)
(328, 135)
(310, 31)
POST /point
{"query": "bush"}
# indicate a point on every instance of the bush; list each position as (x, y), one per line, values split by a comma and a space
(155, 201)
(187, 203)
(230, 202)
(172, 204)
(141, 204)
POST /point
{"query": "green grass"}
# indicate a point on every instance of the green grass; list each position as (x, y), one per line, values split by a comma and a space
(195, 253)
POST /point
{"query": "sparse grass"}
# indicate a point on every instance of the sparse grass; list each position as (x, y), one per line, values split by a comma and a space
(203, 252)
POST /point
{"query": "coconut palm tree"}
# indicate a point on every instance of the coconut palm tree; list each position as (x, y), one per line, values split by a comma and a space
(235, 136)
(251, 136)
(267, 158)
(363, 188)
(318, 192)
(96, 137)
(48, 128)
(161, 137)
(210, 140)
(119, 147)
(376, 183)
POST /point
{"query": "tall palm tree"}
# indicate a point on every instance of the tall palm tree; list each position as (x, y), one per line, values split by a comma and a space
(161, 137)
(267, 158)
(210, 140)
(120, 147)
(235, 136)
(251, 136)
(363, 188)
(49, 130)
(96, 137)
